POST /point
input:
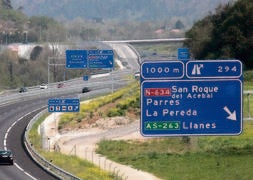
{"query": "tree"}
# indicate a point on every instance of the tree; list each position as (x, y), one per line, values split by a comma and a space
(199, 36)
(230, 34)
(179, 25)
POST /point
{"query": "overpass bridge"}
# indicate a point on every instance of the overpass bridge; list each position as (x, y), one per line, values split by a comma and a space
(149, 41)
(26, 50)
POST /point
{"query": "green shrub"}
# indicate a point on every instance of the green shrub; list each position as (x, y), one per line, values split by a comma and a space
(248, 76)
(122, 106)
(115, 112)
(129, 99)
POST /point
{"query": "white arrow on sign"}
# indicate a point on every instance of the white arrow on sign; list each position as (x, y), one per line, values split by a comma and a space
(232, 116)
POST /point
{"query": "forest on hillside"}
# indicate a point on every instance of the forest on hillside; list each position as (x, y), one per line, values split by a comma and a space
(187, 11)
(227, 34)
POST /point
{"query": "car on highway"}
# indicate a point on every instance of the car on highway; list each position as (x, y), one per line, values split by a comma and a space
(60, 85)
(22, 90)
(85, 90)
(6, 157)
(137, 75)
(43, 86)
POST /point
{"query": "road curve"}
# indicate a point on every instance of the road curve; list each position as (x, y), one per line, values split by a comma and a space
(14, 119)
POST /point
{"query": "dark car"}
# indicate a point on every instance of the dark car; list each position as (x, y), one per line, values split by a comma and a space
(85, 90)
(60, 85)
(22, 89)
(6, 157)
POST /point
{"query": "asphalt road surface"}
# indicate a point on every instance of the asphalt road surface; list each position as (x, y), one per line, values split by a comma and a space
(13, 120)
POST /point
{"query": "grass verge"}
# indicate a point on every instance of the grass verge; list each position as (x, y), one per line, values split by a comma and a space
(76, 166)
(228, 157)
(168, 158)
(119, 103)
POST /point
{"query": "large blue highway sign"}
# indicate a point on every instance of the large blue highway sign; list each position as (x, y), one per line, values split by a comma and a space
(210, 104)
(76, 59)
(100, 58)
(191, 107)
(63, 105)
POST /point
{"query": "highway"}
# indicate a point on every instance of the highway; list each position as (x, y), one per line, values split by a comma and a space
(24, 168)
(17, 109)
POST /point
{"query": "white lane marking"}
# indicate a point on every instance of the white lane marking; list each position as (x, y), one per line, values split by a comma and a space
(5, 142)
(21, 169)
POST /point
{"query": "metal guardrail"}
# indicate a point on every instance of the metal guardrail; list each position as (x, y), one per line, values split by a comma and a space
(108, 87)
(48, 166)
(58, 172)
(53, 91)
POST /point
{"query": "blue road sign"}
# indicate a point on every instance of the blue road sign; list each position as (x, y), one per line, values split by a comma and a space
(183, 53)
(63, 105)
(205, 100)
(162, 69)
(200, 107)
(85, 78)
(100, 58)
(76, 59)
(214, 69)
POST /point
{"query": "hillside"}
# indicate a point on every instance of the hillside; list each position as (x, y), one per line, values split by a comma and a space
(224, 35)
(141, 10)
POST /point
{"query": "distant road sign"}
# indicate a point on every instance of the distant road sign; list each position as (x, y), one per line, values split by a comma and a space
(183, 53)
(205, 100)
(76, 59)
(85, 78)
(100, 58)
(63, 105)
